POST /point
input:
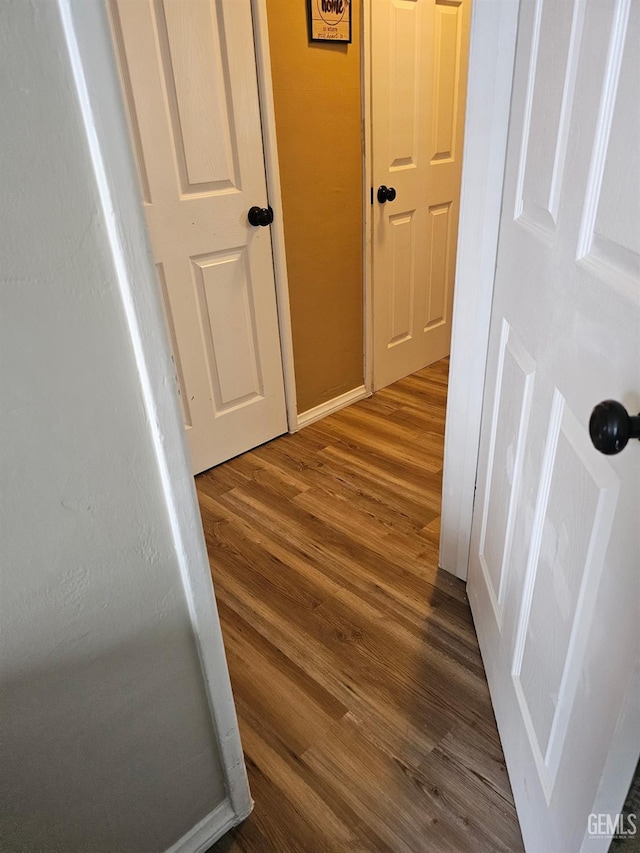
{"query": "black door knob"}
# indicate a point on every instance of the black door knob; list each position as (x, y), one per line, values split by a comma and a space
(260, 216)
(611, 427)
(386, 194)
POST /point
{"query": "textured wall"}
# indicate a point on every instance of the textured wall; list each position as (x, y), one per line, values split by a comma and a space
(106, 738)
(316, 89)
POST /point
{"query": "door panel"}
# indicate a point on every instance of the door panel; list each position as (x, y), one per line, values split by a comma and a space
(549, 97)
(419, 60)
(190, 85)
(448, 45)
(198, 101)
(553, 577)
(507, 439)
(226, 300)
(439, 244)
(402, 275)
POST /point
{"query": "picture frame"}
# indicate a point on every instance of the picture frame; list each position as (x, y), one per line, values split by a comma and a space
(330, 21)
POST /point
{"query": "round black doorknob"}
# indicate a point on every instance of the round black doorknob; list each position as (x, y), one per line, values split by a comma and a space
(260, 216)
(386, 194)
(611, 427)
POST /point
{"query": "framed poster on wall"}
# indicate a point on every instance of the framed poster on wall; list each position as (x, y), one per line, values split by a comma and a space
(330, 20)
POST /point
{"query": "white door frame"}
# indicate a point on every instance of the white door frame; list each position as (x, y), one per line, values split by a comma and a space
(272, 167)
(99, 94)
(367, 184)
(492, 50)
(490, 77)
(490, 72)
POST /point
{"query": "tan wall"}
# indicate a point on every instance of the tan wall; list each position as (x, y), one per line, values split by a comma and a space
(316, 88)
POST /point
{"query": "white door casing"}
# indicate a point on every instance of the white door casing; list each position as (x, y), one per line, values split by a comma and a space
(418, 84)
(90, 49)
(190, 84)
(554, 580)
(493, 41)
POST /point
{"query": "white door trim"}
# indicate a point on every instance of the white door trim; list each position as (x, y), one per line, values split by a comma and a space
(97, 83)
(367, 184)
(272, 167)
(491, 56)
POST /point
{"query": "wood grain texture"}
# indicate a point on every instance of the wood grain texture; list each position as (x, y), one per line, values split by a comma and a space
(363, 705)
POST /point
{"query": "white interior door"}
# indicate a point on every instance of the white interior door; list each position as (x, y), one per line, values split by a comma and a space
(554, 576)
(419, 52)
(190, 84)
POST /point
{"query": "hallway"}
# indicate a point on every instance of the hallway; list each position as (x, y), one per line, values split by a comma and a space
(364, 711)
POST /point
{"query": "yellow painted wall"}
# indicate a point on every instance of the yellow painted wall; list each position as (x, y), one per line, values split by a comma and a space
(316, 89)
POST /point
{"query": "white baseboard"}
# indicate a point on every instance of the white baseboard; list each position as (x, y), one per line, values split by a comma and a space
(331, 406)
(204, 834)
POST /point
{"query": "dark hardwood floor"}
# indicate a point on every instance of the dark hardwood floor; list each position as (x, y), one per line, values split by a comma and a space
(363, 705)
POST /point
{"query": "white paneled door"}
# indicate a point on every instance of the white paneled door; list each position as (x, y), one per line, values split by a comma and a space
(419, 54)
(554, 579)
(190, 84)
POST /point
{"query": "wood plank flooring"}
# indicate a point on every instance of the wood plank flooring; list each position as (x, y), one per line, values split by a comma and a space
(363, 705)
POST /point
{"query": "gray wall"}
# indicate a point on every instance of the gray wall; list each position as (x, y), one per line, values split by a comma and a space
(106, 738)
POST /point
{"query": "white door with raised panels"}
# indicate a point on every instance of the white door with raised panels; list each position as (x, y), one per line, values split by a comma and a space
(190, 84)
(554, 578)
(419, 51)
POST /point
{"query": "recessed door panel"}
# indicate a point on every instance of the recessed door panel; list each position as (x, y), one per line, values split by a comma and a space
(448, 45)
(510, 422)
(193, 49)
(405, 83)
(609, 241)
(228, 313)
(439, 266)
(555, 47)
(402, 277)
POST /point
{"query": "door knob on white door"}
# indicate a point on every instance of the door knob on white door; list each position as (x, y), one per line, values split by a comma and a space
(386, 194)
(260, 216)
(611, 427)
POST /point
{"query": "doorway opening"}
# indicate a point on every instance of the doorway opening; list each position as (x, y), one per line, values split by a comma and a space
(414, 80)
(362, 702)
